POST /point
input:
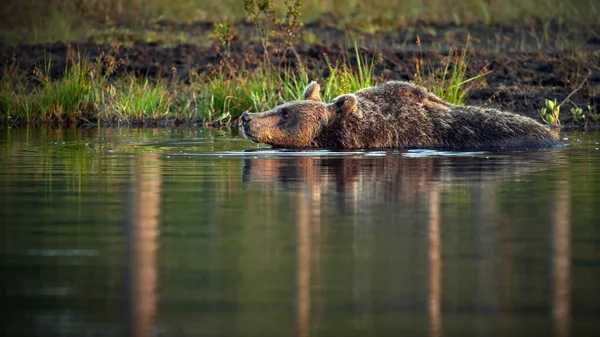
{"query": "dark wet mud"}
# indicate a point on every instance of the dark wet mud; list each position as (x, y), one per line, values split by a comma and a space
(527, 64)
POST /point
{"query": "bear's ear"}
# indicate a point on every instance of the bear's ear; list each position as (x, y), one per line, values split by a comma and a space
(345, 104)
(312, 92)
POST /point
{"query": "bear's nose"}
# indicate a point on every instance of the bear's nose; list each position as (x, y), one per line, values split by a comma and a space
(245, 118)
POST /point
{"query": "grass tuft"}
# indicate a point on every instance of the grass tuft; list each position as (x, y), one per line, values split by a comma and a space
(345, 78)
(226, 98)
(66, 98)
(137, 100)
(62, 100)
(450, 81)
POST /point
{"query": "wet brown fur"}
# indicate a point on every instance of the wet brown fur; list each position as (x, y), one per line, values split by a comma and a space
(392, 115)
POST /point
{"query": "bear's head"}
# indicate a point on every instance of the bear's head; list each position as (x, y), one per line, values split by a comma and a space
(296, 123)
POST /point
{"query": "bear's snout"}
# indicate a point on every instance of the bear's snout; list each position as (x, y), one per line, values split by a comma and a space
(245, 117)
(245, 120)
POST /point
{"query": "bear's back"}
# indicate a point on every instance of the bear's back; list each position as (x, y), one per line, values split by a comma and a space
(400, 98)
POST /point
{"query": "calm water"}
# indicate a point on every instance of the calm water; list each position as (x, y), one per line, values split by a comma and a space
(196, 232)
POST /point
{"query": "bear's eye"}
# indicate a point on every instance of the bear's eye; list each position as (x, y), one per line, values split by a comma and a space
(284, 113)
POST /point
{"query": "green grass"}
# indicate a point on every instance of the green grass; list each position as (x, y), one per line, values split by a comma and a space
(345, 77)
(137, 100)
(261, 89)
(84, 94)
(66, 99)
(267, 86)
(14, 99)
(450, 81)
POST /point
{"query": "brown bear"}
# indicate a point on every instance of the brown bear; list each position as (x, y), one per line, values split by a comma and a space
(392, 115)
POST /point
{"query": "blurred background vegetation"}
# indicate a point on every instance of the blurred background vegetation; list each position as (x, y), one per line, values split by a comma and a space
(32, 21)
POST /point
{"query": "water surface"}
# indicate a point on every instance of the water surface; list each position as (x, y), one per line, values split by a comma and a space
(192, 231)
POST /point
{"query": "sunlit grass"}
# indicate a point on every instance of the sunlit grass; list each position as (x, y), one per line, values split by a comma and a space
(81, 95)
(346, 78)
(225, 98)
(65, 98)
(85, 94)
(260, 89)
(62, 100)
(449, 82)
(137, 100)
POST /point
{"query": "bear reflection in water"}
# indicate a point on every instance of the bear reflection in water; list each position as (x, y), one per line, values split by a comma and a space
(393, 177)
(384, 221)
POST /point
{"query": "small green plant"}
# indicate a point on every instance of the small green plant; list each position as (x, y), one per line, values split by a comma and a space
(592, 113)
(224, 34)
(291, 26)
(550, 113)
(276, 34)
(578, 114)
(262, 15)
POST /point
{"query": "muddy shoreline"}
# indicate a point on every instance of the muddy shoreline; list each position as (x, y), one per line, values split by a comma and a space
(526, 66)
